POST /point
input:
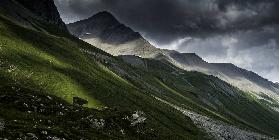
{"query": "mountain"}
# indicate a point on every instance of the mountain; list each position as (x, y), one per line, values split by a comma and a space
(89, 30)
(106, 27)
(56, 86)
(106, 32)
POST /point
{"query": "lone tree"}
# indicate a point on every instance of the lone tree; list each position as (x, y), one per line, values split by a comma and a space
(79, 101)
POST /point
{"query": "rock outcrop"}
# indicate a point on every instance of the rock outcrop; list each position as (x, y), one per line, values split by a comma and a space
(40, 15)
(44, 9)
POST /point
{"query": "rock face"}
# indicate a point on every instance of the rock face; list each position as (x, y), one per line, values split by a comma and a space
(34, 13)
(45, 9)
(106, 33)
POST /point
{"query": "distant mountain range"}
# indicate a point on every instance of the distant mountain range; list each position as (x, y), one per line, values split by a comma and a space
(55, 86)
(104, 31)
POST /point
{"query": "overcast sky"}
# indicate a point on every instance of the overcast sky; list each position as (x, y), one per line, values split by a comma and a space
(242, 32)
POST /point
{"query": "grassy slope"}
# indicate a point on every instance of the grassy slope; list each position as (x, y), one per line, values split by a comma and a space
(238, 107)
(58, 118)
(210, 96)
(52, 65)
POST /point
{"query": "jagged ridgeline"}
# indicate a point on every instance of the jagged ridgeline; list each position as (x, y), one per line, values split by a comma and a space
(56, 86)
(104, 31)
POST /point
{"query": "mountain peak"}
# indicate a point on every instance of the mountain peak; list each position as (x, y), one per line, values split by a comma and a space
(192, 55)
(104, 26)
(104, 14)
(103, 17)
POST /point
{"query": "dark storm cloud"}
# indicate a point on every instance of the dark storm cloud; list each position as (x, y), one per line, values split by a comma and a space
(165, 20)
(243, 32)
(255, 50)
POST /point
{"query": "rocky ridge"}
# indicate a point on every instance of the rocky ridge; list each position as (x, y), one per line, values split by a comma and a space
(92, 30)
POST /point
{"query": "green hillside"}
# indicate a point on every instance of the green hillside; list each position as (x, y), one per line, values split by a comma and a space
(34, 63)
(42, 69)
(211, 96)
